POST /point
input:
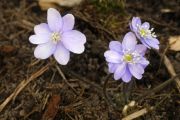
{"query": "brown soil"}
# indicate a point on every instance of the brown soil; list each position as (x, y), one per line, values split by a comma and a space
(81, 96)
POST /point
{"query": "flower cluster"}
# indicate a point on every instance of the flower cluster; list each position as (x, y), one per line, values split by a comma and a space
(57, 37)
(127, 59)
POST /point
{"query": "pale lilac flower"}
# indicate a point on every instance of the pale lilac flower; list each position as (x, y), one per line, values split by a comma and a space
(57, 37)
(144, 33)
(127, 59)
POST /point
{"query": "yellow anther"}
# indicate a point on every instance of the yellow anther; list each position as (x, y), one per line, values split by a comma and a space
(55, 37)
(128, 57)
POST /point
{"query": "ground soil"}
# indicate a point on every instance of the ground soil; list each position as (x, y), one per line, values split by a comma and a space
(80, 96)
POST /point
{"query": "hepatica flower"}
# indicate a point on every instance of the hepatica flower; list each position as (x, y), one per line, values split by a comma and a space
(127, 59)
(144, 33)
(57, 37)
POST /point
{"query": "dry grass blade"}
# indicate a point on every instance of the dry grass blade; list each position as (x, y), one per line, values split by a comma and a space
(22, 85)
(158, 88)
(171, 70)
(64, 78)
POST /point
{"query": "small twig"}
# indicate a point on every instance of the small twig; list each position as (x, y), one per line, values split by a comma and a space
(4, 36)
(64, 78)
(85, 80)
(162, 24)
(171, 70)
(94, 25)
(160, 102)
(100, 90)
(28, 23)
(60, 72)
(34, 63)
(45, 101)
(162, 56)
(22, 85)
(138, 113)
(158, 88)
(169, 67)
(36, 109)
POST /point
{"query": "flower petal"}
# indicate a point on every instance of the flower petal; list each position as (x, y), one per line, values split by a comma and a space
(68, 22)
(155, 40)
(113, 56)
(131, 27)
(54, 20)
(145, 25)
(121, 68)
(143, 41)
(42, 28)
(136, 21)
(136, 70)
(129, 42)
(45, 50)
(127, 75)
(152, 43)
(74, 41)
(39, 39)
(112, 67)
(141, 49)
(115, 45)
(61, 54)
(144, 62)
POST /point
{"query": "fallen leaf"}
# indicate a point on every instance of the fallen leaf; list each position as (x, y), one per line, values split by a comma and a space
(52, 108)
(174, 42)
(45, 4)
(7, 49)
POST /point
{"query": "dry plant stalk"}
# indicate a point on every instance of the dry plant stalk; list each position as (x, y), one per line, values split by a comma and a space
(22, 85)
(171, 70)
(137, 114)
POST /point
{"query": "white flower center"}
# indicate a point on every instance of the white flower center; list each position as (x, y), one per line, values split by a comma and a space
(55, 37)
(146, 32)
(131, 57)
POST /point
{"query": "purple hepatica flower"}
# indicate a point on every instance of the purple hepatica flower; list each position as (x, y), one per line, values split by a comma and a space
(127, 59)
(144, 33)
(57, 37)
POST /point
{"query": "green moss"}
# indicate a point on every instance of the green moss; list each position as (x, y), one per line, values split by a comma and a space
(107, 6)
